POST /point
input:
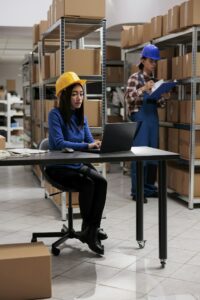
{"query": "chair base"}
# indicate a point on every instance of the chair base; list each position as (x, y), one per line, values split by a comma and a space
(64, 235)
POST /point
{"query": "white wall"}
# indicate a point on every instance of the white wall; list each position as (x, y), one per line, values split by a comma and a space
(136, 11)
(23, 12)
(11, 71)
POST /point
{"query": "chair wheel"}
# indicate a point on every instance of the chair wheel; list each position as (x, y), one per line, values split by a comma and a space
(55, 251)
(34, 240)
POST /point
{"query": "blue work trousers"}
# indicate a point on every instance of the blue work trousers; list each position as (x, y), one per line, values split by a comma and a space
(146, 135)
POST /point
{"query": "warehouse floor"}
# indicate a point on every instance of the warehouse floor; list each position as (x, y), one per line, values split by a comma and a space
(124, 272)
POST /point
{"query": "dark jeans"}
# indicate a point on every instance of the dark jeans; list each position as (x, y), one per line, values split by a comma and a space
(92, 188)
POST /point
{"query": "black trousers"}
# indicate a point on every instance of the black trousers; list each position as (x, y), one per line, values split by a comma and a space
(92, 188)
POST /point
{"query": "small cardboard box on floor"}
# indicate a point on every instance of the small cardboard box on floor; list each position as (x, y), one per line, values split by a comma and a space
(25, 271)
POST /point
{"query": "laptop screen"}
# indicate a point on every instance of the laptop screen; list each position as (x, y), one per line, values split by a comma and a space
(118, 137)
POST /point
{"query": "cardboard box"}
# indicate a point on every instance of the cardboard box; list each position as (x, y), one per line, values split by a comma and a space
(185, 111)
(45, 67)
(156, 27)
(43, 26)
(81, 61)
(173, 141)
(134, 69)
(173, 111)
(125, 37)
(52, 65)
(113, 53)
(184, 14)
(187, 65)
(184, 144)
(174, 19)
(25, 271)
(172, 176)
(92, 9)
(177, 67)
(163, 138)
(115, 74)
(2, 142)
(193, 17)
(182, 186)
(11, 85)
(164, 70)
(162, 114)
(146, 33)
(92, 110)
(35, 34)
(135, 35)
(165, 26)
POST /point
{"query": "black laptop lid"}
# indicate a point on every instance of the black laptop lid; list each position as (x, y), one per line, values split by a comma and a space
(118, 137)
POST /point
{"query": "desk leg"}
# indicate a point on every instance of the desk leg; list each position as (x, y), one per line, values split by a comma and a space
(162, 213)
(139, 203)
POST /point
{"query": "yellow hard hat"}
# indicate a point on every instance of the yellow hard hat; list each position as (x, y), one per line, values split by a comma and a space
(67, 79)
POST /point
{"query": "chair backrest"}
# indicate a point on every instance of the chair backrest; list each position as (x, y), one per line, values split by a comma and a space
(44, 145)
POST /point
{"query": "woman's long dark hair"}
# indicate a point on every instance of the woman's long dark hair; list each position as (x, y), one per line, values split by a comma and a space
(65, 106)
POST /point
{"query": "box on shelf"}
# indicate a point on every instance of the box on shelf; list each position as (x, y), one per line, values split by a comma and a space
(81, 61)
(52, 65)
(165, 25)
(115, 74)
(185, 111)
(48, 105)
(163, 138)
(35, 34)
(177, 67)
(156, 27)
(173, 141)
(187, 65)
(173, 111)
(183, 180)
(162, 114)
(92, 9)
(134, 69)
(174, 19)
(184, 14)
(184, 144)
(146, 33)
(45, 67)
(125, 37)
(193, 17)
(92, 110)
(135, 35)
(43, 26)
(164, 69)
(25, 271)
(113, 53)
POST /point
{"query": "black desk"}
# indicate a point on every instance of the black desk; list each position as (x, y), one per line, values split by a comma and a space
(139, 155)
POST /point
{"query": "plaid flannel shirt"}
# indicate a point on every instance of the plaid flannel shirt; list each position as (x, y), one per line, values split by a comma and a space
(134, 93)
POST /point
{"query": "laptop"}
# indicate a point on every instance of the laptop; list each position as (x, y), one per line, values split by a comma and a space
(116, 137)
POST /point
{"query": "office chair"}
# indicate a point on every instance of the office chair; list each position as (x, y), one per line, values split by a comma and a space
(67, 232)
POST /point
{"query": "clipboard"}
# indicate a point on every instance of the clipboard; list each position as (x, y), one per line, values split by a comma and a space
(165, 87)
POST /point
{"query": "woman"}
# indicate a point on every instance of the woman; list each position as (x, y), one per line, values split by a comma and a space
(145, 113)
(69, 128)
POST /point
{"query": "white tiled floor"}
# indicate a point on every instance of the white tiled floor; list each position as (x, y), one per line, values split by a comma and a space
(124, 272)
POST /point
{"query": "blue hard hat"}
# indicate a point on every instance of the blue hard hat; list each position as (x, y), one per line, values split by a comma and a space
(150, 51)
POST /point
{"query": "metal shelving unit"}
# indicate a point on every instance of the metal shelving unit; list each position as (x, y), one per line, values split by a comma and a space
(185, 41)
(7, 112)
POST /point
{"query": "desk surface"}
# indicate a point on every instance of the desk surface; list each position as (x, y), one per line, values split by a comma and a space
(57, 157)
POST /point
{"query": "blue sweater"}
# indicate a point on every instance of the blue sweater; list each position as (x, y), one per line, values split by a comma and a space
(62, 135)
